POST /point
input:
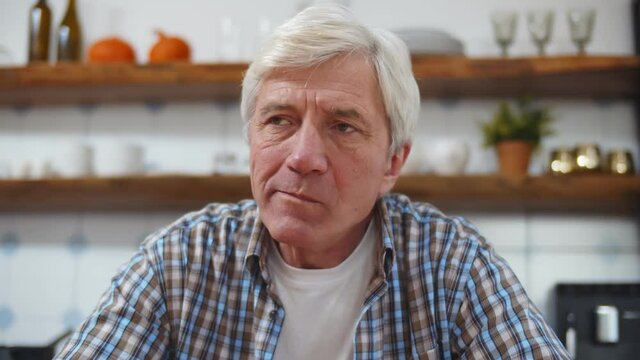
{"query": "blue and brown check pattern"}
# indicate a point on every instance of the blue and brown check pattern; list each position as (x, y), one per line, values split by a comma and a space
(200, 289)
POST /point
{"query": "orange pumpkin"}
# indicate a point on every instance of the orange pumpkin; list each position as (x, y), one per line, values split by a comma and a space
(169, 49)
(111, 50)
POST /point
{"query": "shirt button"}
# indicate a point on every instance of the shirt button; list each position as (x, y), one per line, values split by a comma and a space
(273, 314)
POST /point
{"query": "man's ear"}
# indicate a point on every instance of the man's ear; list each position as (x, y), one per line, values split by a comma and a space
(394, 166)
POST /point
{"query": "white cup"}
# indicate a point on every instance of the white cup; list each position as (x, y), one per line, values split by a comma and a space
(120, 159)
(73, 160)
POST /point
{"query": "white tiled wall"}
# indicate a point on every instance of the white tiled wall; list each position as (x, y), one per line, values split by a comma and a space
(53, 267)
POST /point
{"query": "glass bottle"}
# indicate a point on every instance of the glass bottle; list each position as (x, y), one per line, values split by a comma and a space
(39, 30)
(70, 35)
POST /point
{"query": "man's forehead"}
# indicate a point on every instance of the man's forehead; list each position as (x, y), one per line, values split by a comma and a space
(350, 69)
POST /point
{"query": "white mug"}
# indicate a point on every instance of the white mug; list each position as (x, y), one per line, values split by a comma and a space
(73, 160)
(120, 159)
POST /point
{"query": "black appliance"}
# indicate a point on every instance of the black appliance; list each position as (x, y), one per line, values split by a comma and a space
(32, 352)
(599, 321)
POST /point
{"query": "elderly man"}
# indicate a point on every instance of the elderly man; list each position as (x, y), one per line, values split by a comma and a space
(323, 264)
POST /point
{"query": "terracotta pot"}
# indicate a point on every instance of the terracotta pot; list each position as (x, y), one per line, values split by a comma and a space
(513, 157)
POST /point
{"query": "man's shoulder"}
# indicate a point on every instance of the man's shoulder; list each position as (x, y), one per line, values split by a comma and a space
(426, 238)
(213, 222)
(408, 213)
(436, 236)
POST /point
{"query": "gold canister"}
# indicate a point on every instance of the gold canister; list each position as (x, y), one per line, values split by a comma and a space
(588, 158)
(562, 161)
(620, 162)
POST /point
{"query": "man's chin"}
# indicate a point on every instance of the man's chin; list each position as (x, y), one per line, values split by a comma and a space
(292, 234)
(290, 230)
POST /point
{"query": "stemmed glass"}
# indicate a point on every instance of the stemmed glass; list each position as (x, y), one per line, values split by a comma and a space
(540, 24)
(581, 26)
(504, 28)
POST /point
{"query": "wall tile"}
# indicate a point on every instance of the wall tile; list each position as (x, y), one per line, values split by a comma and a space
(232, 118)
(190, 120)
(431, 121)
(5, 278)
(619, 122)
(47, 228)
(94, 272)
(595, 232)
(577, 122)
(465, 118)
(506, 232)
(55, 121)
(41, 281)
(116, 229)
(35, 332)
(126, 121)
(7, 321)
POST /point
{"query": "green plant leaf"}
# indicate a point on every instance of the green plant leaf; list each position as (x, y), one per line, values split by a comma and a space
(527, 122)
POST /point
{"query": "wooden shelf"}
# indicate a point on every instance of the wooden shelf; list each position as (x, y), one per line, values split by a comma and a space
(487, 193)
(439, 76)
(554, 77)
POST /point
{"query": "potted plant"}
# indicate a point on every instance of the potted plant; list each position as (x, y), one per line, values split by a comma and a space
(516, 133)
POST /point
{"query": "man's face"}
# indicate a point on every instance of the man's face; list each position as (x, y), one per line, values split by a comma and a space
(319, 142)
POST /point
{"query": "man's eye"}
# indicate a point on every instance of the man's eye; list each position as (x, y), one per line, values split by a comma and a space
(344, 128)
(277, 120)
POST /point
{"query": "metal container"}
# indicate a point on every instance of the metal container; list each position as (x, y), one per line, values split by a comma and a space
(588, 158)
(620, 162)
(562, 161)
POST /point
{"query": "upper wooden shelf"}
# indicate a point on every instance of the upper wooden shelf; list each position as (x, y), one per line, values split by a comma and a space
(438, 76)
(556, 77)
(587, 193)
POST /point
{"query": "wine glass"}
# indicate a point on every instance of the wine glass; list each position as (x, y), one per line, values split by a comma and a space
(540, 24)
(581, 26)
(504, 28)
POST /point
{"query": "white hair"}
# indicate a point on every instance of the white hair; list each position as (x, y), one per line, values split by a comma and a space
(321, 32)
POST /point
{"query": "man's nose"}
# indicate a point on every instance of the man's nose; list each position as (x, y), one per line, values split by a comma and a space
(308, 153)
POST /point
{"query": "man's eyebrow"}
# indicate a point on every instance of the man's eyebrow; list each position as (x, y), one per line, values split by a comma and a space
(274, 107)
(345, 113)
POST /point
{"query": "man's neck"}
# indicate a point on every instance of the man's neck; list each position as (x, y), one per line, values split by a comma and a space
(324, 257)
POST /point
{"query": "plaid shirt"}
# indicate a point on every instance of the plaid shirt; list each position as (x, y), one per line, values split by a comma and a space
(200, 288)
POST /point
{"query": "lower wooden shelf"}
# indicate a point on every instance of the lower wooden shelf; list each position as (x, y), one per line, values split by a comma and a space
(591, 193)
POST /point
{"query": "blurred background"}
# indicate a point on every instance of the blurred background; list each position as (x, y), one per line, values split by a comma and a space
(56, 262)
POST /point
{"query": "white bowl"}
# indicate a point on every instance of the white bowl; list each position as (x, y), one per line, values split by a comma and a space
(446, 156)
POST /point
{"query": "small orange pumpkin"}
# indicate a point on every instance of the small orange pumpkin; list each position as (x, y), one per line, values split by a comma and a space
(169, 49)
(111, 50)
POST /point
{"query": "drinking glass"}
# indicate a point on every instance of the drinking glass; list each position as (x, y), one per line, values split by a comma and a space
(581, 26)
(229, 41)
(504, 29)
(540, 24)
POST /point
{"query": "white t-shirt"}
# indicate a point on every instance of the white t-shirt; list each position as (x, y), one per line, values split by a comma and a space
(323, 306)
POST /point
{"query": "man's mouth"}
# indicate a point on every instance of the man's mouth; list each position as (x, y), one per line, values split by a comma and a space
(300, 197)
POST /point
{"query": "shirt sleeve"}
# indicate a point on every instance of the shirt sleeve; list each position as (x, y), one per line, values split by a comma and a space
(497, 320)
(129, 321)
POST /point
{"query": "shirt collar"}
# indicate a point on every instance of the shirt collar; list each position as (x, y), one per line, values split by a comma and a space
(386, 252)
(260, 242)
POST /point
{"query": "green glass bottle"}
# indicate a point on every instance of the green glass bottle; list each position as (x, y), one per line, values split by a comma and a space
(70, 35)
(39, 30)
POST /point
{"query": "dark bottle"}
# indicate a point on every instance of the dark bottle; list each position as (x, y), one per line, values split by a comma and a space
(39, 30)
(70, 35)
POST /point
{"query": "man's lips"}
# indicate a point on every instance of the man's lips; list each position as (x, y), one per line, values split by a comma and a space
(299, 196)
